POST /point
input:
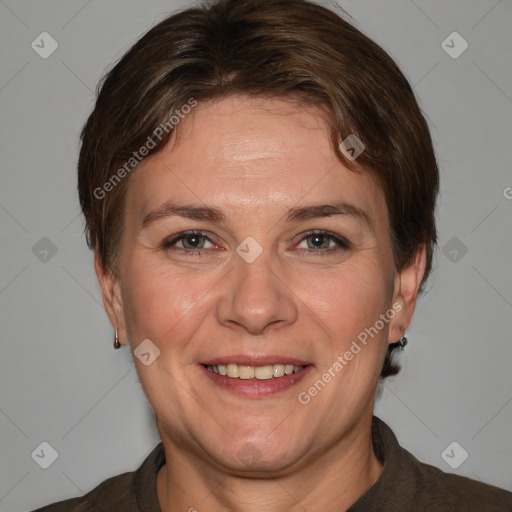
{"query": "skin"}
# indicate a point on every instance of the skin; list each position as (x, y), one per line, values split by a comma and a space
(255, 159)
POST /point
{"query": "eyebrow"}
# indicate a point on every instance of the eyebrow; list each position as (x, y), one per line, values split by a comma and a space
(210, 213)
(329, 210)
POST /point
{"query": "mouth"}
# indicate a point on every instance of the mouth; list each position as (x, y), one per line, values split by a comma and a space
(256, 377)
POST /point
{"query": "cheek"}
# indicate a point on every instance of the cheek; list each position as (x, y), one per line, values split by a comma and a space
(160, 303)
(351, 299)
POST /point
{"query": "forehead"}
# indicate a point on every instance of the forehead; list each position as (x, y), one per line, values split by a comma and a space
(246, 154)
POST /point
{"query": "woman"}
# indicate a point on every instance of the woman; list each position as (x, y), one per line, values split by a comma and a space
(259, 188)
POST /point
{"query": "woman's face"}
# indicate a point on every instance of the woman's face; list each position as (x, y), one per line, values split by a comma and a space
(270, 276)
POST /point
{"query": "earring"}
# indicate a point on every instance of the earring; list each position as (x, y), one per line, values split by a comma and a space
(116, 340)
(400, 343)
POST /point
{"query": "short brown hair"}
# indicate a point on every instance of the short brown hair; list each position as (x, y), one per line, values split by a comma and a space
(284, 48)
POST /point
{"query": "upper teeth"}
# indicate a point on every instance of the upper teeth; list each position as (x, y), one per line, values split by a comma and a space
(240, 371)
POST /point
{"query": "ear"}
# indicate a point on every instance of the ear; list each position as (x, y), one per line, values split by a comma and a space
(407, 284)
(112, 298)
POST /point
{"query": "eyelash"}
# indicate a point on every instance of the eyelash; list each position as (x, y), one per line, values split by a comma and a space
(343, 243)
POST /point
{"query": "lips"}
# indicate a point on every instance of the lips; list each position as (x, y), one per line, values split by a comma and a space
(255, 376)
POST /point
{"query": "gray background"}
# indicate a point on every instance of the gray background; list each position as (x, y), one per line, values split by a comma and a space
(61, 381)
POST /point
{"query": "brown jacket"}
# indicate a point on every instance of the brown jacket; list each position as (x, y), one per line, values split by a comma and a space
(405, 485)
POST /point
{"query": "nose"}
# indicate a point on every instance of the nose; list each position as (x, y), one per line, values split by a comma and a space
(257, 297)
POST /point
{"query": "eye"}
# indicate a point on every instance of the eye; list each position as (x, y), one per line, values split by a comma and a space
(318, 243)
(324, 243)
(191, 241)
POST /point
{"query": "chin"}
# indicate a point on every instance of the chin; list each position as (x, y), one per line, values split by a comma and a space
(255, 454)
(249, 459)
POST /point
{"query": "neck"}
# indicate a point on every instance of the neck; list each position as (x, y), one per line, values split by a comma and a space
(332, 480)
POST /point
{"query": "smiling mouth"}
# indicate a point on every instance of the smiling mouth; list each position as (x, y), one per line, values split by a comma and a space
(244, 372)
